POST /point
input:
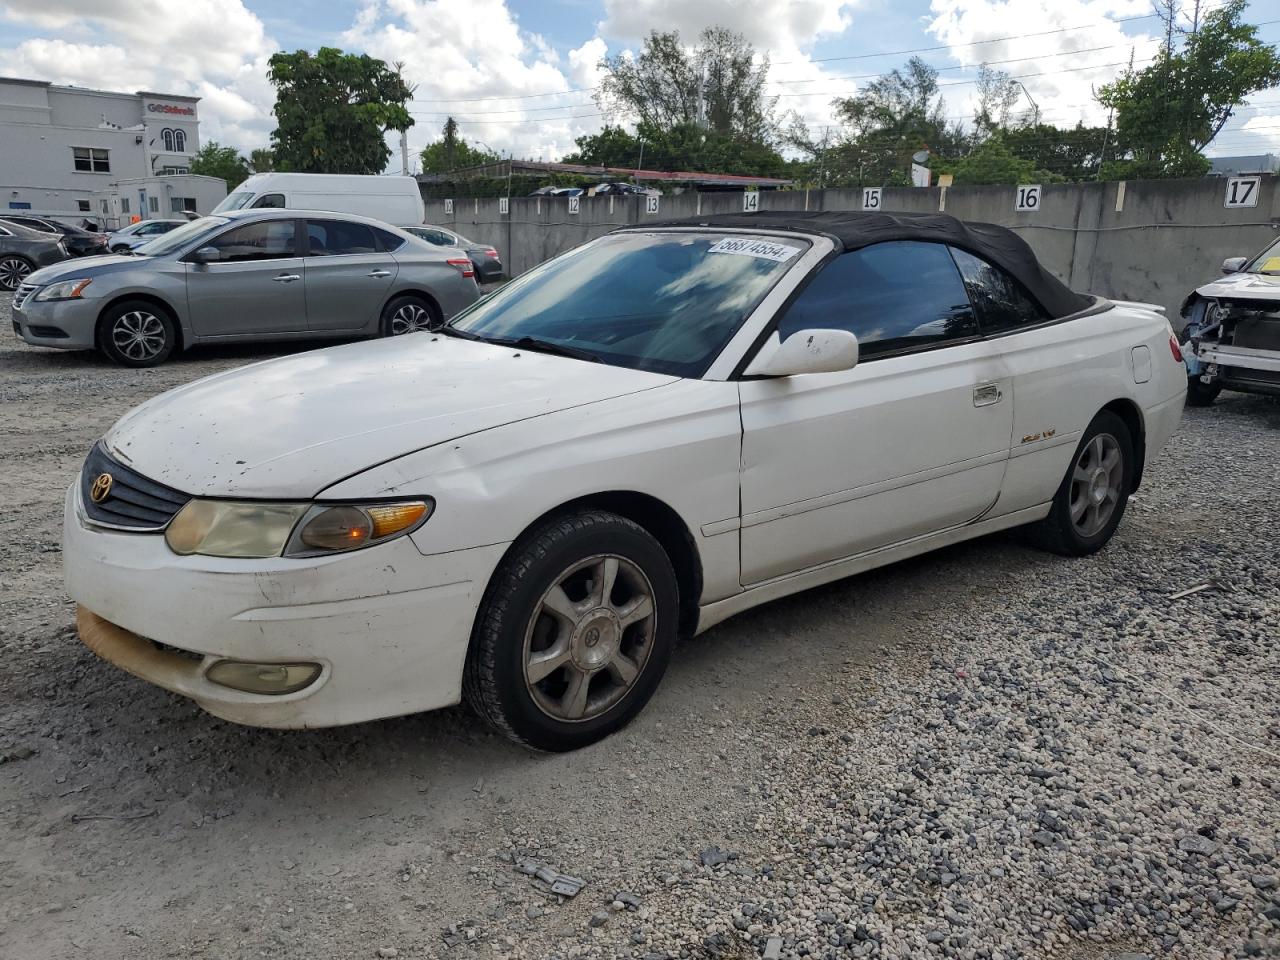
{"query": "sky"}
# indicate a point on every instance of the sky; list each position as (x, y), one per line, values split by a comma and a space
(519, 74)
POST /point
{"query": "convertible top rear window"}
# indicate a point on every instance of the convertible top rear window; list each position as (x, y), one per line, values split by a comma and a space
(662, 301)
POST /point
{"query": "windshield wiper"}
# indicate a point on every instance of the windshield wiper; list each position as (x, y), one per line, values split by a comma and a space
(547, 346)
(452, 331)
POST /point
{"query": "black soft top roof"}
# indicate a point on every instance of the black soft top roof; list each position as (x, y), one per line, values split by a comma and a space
(854, 229)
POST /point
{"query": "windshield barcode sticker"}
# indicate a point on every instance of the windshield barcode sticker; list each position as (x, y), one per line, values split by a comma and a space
(763, 249)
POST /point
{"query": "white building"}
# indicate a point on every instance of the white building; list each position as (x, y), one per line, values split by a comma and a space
(70, 150)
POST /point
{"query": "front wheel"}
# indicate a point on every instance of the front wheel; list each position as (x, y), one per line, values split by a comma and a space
(409, 314)
(137, 333)
(1091, 499)
(574, 633)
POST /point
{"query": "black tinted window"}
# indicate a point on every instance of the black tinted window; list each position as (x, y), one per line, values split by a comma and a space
(1001, 301)
(265, 240)
(273, 200)
(892, 296)
(332, 238)
(387, 240)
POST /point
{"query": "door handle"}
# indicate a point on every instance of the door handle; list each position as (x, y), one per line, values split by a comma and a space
(287, 277)
(985, 394)
(378, 274)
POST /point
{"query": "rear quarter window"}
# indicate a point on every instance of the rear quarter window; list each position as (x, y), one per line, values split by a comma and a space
(1001, 302)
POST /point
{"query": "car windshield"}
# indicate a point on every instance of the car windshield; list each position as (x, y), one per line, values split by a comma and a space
(1268, 261)
(667, 302)
(179, 237)
(235, 201)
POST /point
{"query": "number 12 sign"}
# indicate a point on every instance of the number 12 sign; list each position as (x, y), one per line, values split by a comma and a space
(1242, 192)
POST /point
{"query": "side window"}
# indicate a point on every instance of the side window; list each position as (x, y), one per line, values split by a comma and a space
(387, 241)
(1002, 302)
(438, 237)
(265, 240)
(335, 238)
(893, 296)
(272, 200)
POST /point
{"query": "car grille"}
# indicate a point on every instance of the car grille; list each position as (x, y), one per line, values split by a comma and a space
(25, 292)
(132, 501)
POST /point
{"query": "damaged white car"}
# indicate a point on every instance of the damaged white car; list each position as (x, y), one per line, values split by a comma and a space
(653, 432)
(1232, 334)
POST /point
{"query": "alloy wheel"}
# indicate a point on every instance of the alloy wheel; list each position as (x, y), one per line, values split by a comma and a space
(589, 638)
(1095, 484)
(12, 271)
(410, 318)
(138, 335)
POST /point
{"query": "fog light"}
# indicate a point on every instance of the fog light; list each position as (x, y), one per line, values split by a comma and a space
(269, 678)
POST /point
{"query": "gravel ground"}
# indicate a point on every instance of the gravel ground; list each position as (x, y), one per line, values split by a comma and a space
(986, 752)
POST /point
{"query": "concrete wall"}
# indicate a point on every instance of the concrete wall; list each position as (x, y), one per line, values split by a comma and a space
(1144, 240)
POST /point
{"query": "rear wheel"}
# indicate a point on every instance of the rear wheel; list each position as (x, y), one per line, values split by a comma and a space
(1092, 497)
(13, 269)
(575, 632)
(1201, 394)
(409, 314)
(137, 333)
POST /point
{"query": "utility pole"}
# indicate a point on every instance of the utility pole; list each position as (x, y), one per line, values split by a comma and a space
(404, 153)
(1034, 106)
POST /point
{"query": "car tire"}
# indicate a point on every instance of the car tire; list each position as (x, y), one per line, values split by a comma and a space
(120, 248)
(556, 663)
(137, 333)
(409, 314)
(1088, 505)
(13, 269)
(1200, 394)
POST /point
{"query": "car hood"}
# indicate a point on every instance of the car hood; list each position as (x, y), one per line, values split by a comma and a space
(84, 267)
(289, 428)
(1242, 286)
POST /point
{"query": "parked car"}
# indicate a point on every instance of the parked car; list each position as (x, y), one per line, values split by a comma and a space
(247, 275)
(484, 257)
(557, 192)
(624, 189)
(637, 439)
(136, 234)
(393, 199)
(1232, 336)
(23, 250)
(79, 242)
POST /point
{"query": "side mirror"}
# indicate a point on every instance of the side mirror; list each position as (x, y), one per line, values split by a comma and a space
(205, 255)
(806, 351)
(1234, 264)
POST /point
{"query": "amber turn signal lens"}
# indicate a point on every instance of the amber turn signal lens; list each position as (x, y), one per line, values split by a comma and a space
(395, 517)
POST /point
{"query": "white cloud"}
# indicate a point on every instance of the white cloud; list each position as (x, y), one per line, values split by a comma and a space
(781, 26)
(1060, 70)
(213, 49)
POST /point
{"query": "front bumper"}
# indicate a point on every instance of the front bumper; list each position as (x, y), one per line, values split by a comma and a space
(389, 626)
(65, 324)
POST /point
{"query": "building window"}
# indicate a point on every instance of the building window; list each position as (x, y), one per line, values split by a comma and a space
(174, 171)
(124, 204)
(167, 136)
(179, 141)
(154, 203)
(19, 205)
(89, 160)
(182, 204)
(82, 206)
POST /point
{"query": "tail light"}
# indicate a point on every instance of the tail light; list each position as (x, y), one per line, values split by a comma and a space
(464, 264)
(1175, 349)
(491, 252)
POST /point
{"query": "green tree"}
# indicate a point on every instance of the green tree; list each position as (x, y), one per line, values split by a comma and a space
(611, 147)
(991, 162)
(719, 85)
(1071, 153)
(225, 163)
(685, 146)
(262, 160)
(451, 152)
(333, 110)
(1172, 109)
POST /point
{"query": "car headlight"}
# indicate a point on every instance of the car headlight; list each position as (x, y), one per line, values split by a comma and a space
(64, 290)
(227, 528)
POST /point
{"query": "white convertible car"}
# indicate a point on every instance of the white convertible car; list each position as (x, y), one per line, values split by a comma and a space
(655, 431)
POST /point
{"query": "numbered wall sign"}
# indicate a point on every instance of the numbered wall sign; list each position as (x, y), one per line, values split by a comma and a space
(448, 208)
(504, 206)
(1242, 191)
(573, 204)
(1027, 199)
(870, 198)
(751, 201)
(651, 203)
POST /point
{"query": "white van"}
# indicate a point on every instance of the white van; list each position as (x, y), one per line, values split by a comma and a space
(393, 199)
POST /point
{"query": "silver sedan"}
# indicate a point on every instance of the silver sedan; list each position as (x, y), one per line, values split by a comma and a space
(248, 275)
